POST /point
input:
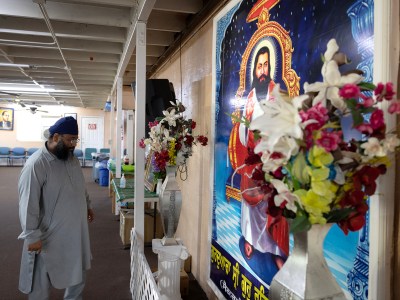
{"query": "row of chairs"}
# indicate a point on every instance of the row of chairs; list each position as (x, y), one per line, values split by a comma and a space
(21, 154)
(15, 154)
(85, 157)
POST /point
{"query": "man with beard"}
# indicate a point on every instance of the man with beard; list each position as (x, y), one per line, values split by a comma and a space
(54, 211)
(264, 242)
(6, 122)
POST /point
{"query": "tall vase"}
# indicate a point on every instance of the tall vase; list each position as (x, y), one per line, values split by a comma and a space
(170, 201)
(306, 275)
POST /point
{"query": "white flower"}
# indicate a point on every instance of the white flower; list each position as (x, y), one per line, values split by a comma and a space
(332, 80)
(391, 142)
(271, 164)
(286, 147)
(373, 148)
(170, 117)
(284, 195)
(280, 118)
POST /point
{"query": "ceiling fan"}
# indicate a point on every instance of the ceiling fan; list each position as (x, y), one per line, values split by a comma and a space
(15, 100)
(34, 109)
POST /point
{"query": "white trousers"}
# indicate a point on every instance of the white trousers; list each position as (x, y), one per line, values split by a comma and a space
(41, 284)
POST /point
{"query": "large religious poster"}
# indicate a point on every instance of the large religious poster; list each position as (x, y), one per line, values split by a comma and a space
(259, 44)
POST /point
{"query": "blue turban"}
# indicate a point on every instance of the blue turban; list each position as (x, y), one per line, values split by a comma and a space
(67, 125)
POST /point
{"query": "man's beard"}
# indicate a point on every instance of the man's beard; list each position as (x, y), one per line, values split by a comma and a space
(62, 151)
(261, 85)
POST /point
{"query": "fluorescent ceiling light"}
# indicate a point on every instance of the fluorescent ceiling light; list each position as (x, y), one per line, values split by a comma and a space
(16, 65)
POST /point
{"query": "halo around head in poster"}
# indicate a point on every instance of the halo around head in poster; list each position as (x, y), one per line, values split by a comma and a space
(266, 42)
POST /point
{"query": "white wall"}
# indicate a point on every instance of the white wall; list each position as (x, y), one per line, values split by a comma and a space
(27, 126)
(195, 94)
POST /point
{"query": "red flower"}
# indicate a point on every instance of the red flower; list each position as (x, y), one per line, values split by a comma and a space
(193, 125)
(141, 144)
(252, 158)
(203, 140)
(354, 222)
(161, 159)
(258, 173)
(384, 91)
(278, 173)
(366, 178)
(377, 120)
(352, 198)
(189, 140)
(178, 146)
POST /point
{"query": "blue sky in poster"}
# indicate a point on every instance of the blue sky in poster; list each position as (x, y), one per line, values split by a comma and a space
(311, 24)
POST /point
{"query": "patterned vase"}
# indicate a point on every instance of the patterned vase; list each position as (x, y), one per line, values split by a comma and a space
(306, 275)
(170, 202)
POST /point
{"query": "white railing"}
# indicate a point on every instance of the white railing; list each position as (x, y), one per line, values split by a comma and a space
(142, 285)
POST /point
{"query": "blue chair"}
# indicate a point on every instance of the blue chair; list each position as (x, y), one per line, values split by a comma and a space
(5, 153)
(104, 150)
(88, 155)
(30, 151)
(79, 155)
(17, 153)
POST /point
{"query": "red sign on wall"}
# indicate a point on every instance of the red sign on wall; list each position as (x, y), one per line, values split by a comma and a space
(92, 126)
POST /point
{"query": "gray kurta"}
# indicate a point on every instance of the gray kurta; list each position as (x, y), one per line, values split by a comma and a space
(53, 205)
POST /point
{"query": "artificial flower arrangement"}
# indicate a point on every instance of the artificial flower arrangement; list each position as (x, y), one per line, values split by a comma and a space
(308, 171)
(171, 139)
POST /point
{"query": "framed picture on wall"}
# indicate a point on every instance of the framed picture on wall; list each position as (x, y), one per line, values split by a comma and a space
(74, 115)
(6, 118)
(293, 54)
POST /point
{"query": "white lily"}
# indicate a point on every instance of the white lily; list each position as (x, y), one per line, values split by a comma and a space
(170, 117)
(373, 148)
(332, 80)
(286, 146)
(391, 142)
(280, 118)
(284, 195)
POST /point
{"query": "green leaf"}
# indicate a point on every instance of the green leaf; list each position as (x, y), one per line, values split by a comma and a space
(357, 118)
(367, 110)
(366, 86)
(351, 103)
(337, 215)
(333, 125)
(300, 223)
(240, 120)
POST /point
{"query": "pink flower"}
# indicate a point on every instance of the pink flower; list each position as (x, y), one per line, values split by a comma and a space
(365, 128)
(377, 120)
(152, 124)
(394, 108)
(384, 91)
(141, 144)
(330, 140)
(318, 113)
(367, 101)
(349, 91)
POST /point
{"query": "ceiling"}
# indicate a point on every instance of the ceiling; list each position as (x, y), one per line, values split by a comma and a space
(71, 52)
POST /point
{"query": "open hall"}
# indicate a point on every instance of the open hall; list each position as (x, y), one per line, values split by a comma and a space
(229, 149)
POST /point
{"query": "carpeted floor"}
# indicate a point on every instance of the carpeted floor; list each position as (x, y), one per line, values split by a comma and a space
(110, 273)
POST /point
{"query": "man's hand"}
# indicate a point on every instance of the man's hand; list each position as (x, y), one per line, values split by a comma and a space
(35, 247)
(90, 214)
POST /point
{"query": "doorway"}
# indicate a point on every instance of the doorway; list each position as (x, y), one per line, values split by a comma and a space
(92, 135)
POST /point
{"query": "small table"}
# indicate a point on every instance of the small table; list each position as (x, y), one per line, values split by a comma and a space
(128, 175)
(127, 195)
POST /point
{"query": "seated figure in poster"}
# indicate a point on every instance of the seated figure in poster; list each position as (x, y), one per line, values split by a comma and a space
(264, 242)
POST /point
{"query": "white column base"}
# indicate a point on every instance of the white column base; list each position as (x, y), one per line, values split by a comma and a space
(170, 259)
